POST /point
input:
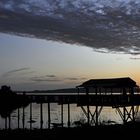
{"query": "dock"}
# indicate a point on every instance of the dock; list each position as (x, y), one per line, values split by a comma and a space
(126, 101)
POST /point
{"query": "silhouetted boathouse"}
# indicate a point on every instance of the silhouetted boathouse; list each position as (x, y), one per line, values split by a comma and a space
(116, 92)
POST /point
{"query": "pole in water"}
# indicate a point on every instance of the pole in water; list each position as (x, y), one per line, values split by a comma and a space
(62, 114)
(30, 115)
(41, 115)
(49, 116)
(18, 117)
(68, 114)
(23, 117)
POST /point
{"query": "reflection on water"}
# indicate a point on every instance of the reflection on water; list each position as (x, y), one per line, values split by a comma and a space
(26, 119)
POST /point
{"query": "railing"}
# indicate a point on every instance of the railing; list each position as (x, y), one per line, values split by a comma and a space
(103, 100)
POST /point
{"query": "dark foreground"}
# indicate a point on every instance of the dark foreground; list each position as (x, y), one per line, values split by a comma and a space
(105, 132)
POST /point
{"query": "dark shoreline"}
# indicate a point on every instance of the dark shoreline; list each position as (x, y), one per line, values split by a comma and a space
(95, 132)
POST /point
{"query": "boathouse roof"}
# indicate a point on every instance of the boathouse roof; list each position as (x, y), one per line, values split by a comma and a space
(110, 83)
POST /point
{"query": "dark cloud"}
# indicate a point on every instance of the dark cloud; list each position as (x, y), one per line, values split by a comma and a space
(50, 76)
(47, 78)
(53, 78)
(134, 58)
(71, 78)
(104, 25)
(44, 80)
(9, 73)
(75, 78)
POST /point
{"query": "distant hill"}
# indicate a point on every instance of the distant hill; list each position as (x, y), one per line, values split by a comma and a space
(73, 90)
(67, 90)
(81, 90)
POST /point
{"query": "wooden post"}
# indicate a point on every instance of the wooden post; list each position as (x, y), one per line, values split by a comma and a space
(96, 111)
(88, 115)
(41, 115)
(49, 116)
(62, 112)
(23, 117)
(124, 115)
(18, 117)
(9, 121)
(30, 115)
(68, 114)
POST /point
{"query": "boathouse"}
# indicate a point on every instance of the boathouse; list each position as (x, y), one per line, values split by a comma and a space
(119, 93)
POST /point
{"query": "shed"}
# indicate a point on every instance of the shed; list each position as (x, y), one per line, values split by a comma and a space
(123, 83)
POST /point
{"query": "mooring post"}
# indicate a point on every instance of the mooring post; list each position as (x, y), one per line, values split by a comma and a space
(18, 117)
(23, 117)
(62, 111)
(49, 116)
(68, 114)
(41, 115)
(30, 115)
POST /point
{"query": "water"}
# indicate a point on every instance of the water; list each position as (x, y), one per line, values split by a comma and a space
(108, 115)
(76, 114)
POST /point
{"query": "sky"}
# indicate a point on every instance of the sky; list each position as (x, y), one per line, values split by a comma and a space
(61, 44)
(30, 64)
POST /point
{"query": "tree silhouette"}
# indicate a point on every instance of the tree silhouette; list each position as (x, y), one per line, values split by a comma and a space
(10, 101)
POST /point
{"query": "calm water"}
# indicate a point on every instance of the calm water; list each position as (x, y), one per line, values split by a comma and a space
(108, 115)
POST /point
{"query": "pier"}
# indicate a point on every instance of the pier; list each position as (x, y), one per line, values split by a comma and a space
(121, 94)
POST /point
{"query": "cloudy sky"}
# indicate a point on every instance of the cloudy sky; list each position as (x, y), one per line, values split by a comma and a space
(47, 44)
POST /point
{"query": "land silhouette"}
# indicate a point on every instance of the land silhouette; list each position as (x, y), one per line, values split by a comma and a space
(10, 101)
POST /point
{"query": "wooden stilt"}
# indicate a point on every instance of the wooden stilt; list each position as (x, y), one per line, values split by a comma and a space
(30, 115)
(68, 115)
(18, 118)
(23, 117)
(41, 115)
(96, 111)
(62, 114)
(88, 115)
(49, 116)
(124, 115)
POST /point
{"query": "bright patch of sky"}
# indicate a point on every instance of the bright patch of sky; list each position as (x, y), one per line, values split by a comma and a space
(29, 63)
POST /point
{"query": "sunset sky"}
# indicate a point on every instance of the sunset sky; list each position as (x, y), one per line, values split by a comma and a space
(28, 63)
(62, 50)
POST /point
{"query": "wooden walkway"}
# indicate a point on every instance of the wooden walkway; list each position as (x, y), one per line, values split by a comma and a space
(92, 100)
(126, 105)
